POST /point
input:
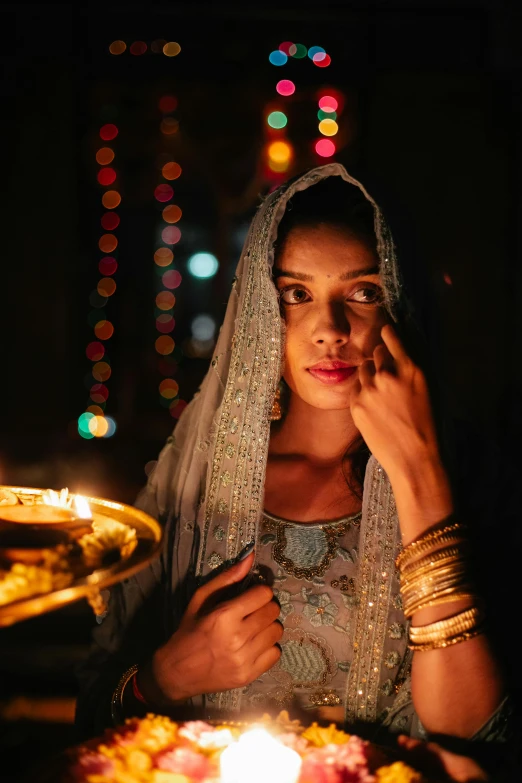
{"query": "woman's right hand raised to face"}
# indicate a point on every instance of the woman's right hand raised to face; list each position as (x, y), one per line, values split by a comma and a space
(219, 648)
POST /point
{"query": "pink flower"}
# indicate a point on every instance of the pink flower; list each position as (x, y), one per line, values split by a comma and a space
(347, 763)
(193, 729)
(93, 764)
(185, 761)
(294, 742)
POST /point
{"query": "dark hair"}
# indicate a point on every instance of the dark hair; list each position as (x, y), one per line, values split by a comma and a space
(334, 202)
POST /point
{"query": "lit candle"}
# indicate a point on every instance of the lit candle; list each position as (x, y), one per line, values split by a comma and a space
(257, 757)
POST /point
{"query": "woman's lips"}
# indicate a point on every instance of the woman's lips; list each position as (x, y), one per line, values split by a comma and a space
(333, 376)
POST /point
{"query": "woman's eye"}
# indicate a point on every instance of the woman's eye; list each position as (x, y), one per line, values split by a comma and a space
(293, 295)
(367, 295)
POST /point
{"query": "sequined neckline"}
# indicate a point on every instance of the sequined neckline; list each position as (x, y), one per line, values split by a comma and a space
(327, 523)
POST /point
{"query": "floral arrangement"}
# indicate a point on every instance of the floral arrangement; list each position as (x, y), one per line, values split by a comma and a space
(155, 749)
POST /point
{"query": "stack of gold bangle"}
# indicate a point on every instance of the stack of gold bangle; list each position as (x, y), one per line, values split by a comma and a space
(434, 569)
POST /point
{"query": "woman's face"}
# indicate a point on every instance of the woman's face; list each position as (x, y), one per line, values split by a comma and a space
(331, 299)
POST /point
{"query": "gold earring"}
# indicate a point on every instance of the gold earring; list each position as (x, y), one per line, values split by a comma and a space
(276, 412)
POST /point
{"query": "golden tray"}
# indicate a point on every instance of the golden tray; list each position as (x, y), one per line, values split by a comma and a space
(148, 533)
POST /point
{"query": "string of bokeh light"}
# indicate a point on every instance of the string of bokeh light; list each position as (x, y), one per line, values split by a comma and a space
(93, 422)
(279, 151)
(137, 48)
(168, 277)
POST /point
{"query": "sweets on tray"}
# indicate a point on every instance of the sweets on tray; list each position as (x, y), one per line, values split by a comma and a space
(156, 749)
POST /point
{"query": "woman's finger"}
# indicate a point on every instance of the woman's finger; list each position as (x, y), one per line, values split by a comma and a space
(366, 372)
(383, 359)
(393, 344)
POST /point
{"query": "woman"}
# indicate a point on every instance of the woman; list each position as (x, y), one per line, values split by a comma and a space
(330, 473)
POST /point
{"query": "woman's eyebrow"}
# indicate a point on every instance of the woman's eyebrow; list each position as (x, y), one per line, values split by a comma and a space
(372, 270)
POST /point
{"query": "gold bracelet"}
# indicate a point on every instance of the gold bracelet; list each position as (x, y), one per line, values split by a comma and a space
(434, 576)
(447, 555)
(424, 587)
(117, 696)
(463, 637)
(450, 626)
(449, 532)
(436, 600)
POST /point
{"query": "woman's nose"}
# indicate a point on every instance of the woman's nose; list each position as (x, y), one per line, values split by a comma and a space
(332, 327)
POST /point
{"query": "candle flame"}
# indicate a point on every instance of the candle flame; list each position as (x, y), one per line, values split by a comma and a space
(258, 757)
(63, 499)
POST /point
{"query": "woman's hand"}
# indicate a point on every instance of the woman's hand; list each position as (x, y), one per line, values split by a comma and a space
(438, 762)
(219, 648)
(391, 407)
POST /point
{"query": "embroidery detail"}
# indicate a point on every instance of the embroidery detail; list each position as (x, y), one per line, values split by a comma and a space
(239, 396)
(226, 478)
(324, 699)
(214, 560)
(284, 599)
(319, 609)
(392, 659)
(219, 533)
(222, 506)
(234, 425)
(312, 547)
(346, 585)
(306, 661)
(230, 451)
(396, 631)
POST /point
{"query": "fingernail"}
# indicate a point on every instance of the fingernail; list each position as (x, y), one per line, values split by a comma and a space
(245, 552)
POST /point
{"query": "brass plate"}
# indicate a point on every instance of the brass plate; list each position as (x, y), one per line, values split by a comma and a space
(149, 535)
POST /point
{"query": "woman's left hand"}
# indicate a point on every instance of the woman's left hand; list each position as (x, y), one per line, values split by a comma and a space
(392, 410)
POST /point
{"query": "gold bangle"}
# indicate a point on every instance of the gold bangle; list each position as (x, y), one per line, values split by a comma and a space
(448, 555)
(449, 597)
(463, 637)
(117, 696)
(457, 623)
(422, 599)
(430, 539)
(432, 577)
(433, 584)
(444, 599)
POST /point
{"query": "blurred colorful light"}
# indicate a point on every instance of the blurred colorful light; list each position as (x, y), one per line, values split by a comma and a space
(83, 425)
(167, 104)
(108, 266)
(168, 388)
(107, 243)
(171, 170)
(171, 279)
(99, 393)
(101, 371)
(165, 300)
(111, 199)
(325, 148)
(328, 127)
(285, 87)
(313, 50)
(117, 47)
(279, 152)
(203, 327)
(171, 214)
(106, 176)
(164, 345)
(163, 256)
(171, 235)
(104, 156)
(138, 47)
(326, 115)
(276, 119)
(203, 265)
(169, 126)
(277, 57)
(95, 351)
(108, 132)
(171, 49)
(106, 286)
(163, 193)
(177, 408)
(110, 221)
(165, 323)
(322, 61)
(298, 51)
(104, 330)
(285, 47)
(328, 103)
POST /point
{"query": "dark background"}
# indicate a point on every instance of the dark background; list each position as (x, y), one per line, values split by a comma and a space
(431, 123)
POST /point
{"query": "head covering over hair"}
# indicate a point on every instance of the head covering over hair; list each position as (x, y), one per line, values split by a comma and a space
(208, 485)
